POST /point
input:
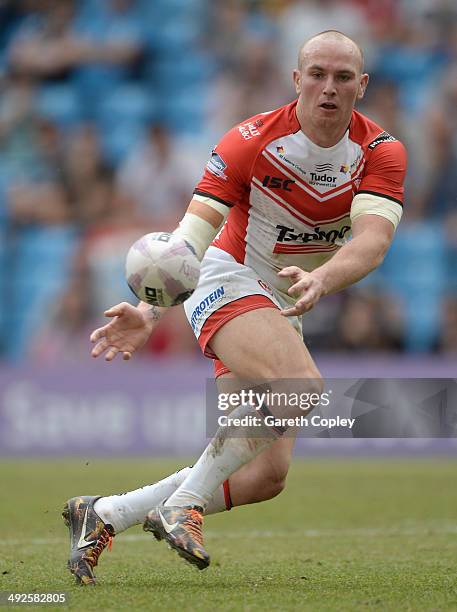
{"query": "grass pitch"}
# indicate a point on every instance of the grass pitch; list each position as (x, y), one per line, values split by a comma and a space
(345, 535)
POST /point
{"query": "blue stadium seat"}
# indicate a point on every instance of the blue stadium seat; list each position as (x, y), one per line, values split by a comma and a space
(122, 117)
(120, 140)
(42, 267)
(59, 103)
(422, 321)
(415, 270)
(4, 183)
(88, 10)
(130, 102)
(451, 256)
(180, 35)
(185, 112)
(3, 288)
(417, 258)
(413, 68)
(168, 10)
(173, 74)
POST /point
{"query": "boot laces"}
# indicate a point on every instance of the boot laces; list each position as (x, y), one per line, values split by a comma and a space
(105, 539)
(193, 524)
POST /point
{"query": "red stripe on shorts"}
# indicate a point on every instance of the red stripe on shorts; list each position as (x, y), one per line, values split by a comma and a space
(227, 497)
(219, 368)
(225, 314)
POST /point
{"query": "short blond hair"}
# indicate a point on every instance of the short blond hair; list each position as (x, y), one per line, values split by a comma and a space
(331, 34)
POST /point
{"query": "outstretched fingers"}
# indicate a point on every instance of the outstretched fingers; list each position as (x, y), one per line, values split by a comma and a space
(299, 287)
(116, 311)
(121, 334)
(305, 287)
(300, 279)
(98, 334)
(300, 306)
(99, 348)
(293, 272)
(111, 353)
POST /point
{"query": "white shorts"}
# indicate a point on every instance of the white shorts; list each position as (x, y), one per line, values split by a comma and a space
(225, 290)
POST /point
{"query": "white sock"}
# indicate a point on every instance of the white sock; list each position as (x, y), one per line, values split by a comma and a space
(224, 455)
(127, 509)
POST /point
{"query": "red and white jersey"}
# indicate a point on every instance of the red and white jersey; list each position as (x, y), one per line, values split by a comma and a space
(290, 199)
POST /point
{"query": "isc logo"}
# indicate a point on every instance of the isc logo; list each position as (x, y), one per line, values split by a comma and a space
(273, 182)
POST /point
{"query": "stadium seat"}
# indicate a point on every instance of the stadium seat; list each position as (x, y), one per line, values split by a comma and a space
(451, 258)
(173, 74)
(417, 258)
(3, 287)
(185, 113)
(179, 35)
(422, 321)
(42, 267)
(169, 10)
(119, 141)
(4, 182)
(415, 270)
(59, 103)
(122, 117)
(413, 68)
(130, 102)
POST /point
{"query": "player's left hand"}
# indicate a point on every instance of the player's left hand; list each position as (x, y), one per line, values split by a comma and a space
(307, 287)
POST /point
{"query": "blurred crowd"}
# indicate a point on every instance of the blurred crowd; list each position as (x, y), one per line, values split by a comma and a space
(108, 112)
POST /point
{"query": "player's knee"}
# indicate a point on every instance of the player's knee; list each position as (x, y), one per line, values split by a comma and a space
(308, 380)
(275, 487)
(274, 480)
(314, 382)
(309, 374)
(267, 489)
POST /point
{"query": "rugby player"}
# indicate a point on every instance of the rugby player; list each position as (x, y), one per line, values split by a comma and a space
(271, 220)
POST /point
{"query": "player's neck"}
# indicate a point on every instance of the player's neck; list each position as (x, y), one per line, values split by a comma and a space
(323, 134)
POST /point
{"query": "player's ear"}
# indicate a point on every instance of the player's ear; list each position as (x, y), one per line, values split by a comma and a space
(362, 86)
(297, 81)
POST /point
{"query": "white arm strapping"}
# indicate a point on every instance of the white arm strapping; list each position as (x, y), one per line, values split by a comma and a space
(198, 232)
(368, 204)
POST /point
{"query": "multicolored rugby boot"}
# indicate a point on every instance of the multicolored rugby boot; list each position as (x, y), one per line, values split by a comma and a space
(89, 536)
(182, 529)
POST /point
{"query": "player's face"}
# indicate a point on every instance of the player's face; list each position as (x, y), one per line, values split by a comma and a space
(329, 83)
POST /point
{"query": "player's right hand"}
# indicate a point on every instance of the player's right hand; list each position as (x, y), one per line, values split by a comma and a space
(126, 333)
